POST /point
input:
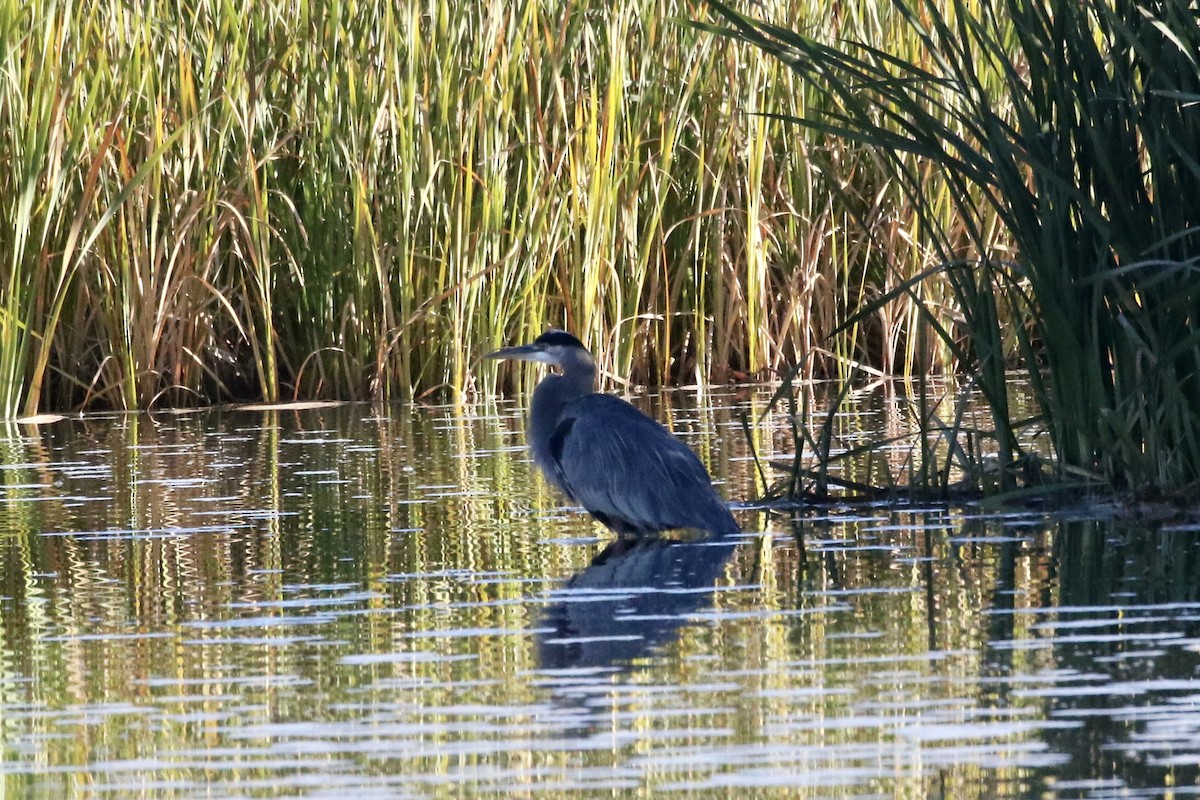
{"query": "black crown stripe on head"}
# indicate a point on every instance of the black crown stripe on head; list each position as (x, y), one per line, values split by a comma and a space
(555, 337)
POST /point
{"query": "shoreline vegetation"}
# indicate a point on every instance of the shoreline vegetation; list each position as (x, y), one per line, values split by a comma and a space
(1074, 127)
(294, 201)
(305, 201)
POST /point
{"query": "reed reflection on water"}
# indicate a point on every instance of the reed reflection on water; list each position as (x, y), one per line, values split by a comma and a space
(335, 602)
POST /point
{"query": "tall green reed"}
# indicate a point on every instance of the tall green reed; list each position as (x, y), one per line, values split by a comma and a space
(1073, 125)
(313, 199)
(43, 156)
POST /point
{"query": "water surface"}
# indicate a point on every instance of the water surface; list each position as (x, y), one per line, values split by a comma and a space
(341, 602)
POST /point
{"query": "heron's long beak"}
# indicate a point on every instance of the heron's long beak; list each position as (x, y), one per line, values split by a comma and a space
(524, 352)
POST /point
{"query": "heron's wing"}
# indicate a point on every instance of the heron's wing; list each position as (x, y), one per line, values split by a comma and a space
(630, 472)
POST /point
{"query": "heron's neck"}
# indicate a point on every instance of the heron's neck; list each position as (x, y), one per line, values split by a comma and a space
(550, 397)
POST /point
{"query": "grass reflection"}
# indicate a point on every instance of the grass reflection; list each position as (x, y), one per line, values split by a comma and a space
(341, 602)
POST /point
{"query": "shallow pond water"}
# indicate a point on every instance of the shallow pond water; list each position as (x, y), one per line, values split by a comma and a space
(341, 602)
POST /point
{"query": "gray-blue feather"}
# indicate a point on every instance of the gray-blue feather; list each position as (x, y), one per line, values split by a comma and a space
(631, 472)
(627, 470)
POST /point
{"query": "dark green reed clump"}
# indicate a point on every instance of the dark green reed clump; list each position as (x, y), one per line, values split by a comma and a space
(1077, 125)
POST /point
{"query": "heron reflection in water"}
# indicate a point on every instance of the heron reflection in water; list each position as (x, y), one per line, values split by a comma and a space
(632, 598)
(627, 470)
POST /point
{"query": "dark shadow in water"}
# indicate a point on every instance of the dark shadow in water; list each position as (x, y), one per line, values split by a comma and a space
(632, 598)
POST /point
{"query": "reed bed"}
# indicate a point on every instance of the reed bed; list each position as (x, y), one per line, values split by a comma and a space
(1075, 127)
(207, 200)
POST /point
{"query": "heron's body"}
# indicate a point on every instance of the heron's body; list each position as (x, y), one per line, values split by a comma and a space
(627, 470)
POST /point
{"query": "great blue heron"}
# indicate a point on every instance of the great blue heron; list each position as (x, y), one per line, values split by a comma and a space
(627, 470)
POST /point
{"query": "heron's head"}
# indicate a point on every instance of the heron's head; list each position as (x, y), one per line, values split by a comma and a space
(554, 347)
